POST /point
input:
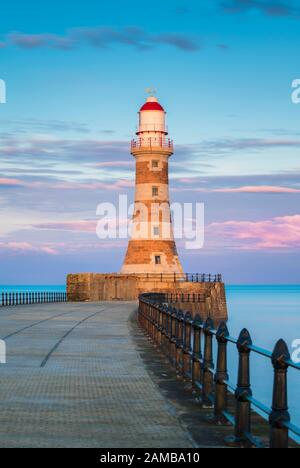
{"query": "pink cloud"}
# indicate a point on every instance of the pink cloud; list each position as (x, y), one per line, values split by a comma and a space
(25, 247)
(78, 226)
(89, 226)
(277, 233)
(258, 189)
(191, 182)
(10, 182)
(60, 248)
(118, 185)
(114, 164)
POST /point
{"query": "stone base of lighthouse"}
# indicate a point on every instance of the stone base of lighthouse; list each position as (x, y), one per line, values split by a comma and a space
(95, 287)
(142, 257)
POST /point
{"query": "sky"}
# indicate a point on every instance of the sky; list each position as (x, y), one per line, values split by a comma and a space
(76, 75)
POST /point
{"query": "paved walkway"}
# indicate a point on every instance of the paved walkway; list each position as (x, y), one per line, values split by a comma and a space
(74, 378)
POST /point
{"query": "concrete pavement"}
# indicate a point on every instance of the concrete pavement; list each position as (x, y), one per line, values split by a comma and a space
(75, 378)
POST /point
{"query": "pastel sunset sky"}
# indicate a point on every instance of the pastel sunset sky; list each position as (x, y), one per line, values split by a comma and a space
(76, 74)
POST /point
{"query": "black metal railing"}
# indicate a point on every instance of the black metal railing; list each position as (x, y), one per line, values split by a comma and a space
(179, 277)
(26, 298)
(188, 342)
(169, 298)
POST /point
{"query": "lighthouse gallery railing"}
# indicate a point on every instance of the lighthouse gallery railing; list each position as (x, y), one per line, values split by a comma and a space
(152, 143)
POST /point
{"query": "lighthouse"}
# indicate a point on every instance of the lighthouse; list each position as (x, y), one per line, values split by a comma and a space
(152, 248)
(151, 264)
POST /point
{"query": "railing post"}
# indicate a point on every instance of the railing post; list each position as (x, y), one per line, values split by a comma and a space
(242, 393)
(197, 355)
(187, 348)
(279, 434)
(173, 337)
(207, 376)
(160, 324)
(179, 342)
(141, 311)
(154, 314)
(163, 328)
(144, 318)
(143, 315)
(169, 332)
(147, 313)
(221, 398)
(142, 308)
(147, 317)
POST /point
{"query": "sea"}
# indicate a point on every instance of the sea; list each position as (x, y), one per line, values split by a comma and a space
(269, 313)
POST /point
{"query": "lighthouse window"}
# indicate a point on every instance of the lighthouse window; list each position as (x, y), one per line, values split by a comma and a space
(155, 164)
(157, 260)
(156, 231)
(154, 191)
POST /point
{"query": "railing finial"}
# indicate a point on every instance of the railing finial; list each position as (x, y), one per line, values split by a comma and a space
(279, 434)
(281, 355)
(244, 341)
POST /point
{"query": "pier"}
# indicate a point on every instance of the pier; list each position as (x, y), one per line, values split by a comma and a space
(87, 375)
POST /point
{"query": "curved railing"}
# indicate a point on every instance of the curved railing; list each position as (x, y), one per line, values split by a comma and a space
(169, 298)
(26, 298)
(188, 342)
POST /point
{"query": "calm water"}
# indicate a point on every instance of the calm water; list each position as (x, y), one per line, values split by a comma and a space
(269, 313)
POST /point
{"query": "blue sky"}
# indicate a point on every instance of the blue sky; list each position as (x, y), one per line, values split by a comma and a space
(76, 75)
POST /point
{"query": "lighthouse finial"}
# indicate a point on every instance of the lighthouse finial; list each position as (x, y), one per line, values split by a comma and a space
(151, 91)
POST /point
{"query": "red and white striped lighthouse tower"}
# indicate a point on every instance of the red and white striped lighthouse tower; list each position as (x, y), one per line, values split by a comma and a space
(152, 247)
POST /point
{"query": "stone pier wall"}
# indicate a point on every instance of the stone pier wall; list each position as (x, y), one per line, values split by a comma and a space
(115, 287)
